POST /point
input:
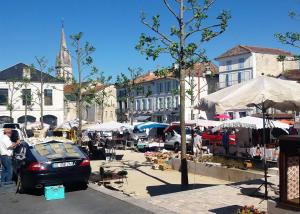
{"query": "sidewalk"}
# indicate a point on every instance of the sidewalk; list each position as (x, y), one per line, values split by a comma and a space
(144, 182)
(159, 191)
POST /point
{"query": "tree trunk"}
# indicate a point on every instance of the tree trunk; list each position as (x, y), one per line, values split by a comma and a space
(79, 134)
(42, 102)
(26, 107)
(184, 169)
(131, 112)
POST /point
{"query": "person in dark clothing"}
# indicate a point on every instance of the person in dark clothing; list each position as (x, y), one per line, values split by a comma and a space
(225, 141)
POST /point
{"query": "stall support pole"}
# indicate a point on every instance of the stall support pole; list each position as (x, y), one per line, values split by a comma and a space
(264, 142)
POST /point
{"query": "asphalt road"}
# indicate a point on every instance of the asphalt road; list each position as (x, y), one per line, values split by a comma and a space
(76, 202)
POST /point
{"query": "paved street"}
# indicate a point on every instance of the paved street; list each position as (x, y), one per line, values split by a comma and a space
(76, 202)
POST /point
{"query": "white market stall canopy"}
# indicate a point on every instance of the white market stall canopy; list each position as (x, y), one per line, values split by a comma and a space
(204, 123)
(250, 122)
(70, 124)
(110, 127)
(274, 93)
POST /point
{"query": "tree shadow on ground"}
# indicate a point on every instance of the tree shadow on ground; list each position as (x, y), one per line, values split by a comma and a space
(172, 188)
(229, 209)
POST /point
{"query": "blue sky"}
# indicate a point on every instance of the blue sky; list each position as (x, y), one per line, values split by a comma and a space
(32, 28)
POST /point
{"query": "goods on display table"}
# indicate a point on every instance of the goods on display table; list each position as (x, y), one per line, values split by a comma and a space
(160, 160)
(150, 145)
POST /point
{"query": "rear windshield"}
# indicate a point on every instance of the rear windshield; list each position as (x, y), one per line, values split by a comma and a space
(57, 150)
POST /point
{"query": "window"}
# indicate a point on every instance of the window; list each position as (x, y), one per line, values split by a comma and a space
(230, 114)
(228, 65)
(138, 106)
(144, 104)
(242, 114)
(26, 97)
(169, 103)
(161, 103)
(3, 96)
(227, 80)
(241, 77)
(161, 87)
(106, 114)
(176, 102)
(111, 115)
(241, 62)
(150, 104)
(168, 88)
(175, 84)
(48, 97)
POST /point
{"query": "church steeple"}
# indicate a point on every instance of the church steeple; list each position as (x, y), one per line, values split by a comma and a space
(63, 60)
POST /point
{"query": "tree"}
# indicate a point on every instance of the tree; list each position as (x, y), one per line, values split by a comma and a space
(13, 86)
(26, 95)
(131, 86)
(103, 95)
(82, 55)
(184, 45)
(289, 38)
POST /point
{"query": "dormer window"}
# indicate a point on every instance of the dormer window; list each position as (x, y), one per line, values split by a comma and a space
(26, 73)
(228, 65)
(241, 62)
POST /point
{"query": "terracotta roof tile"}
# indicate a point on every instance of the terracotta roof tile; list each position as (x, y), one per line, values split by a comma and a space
(199, 69)
(243, 49)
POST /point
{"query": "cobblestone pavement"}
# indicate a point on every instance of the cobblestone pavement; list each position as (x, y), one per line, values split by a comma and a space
(217, 199)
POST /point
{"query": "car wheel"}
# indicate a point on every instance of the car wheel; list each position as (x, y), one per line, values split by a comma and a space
(176, 147)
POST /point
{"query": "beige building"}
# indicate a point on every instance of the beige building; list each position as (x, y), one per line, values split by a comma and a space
(242, 63)
(101, 109)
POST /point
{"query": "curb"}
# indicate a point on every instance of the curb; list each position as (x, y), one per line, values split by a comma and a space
(137, 202)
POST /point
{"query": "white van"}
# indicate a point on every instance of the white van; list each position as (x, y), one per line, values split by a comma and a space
(173, 138)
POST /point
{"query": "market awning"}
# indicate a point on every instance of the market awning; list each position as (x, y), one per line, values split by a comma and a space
(250, 122)
(142, 118)
(151, 125)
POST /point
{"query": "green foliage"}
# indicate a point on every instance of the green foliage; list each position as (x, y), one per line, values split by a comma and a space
(129, 83)
(290, 38)
(195, 14)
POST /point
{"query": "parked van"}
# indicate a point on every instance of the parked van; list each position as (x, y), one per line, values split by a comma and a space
(173, 137)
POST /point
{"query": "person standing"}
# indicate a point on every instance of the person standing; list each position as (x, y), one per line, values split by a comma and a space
(197, 143)
(225, 141)
(6, 152)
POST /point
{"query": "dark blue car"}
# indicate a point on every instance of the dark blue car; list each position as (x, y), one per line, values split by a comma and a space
(49, 163)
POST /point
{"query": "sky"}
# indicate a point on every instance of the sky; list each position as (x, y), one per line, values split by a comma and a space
(30, 28)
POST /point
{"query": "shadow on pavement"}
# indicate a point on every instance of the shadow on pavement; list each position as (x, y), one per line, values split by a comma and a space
(172, 188)
(229, 209)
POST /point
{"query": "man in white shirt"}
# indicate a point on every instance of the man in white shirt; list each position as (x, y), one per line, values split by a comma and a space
(6, 151)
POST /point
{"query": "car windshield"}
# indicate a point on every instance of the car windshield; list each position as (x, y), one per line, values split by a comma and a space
(137, 131)
(55, 150)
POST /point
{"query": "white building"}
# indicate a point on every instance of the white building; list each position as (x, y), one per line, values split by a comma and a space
(158, 97)
(53, 104)
(242, 63)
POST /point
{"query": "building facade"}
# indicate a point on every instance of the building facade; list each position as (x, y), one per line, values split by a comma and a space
(242, 63)
(158, 97)
(92, 111)
(19, 96)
